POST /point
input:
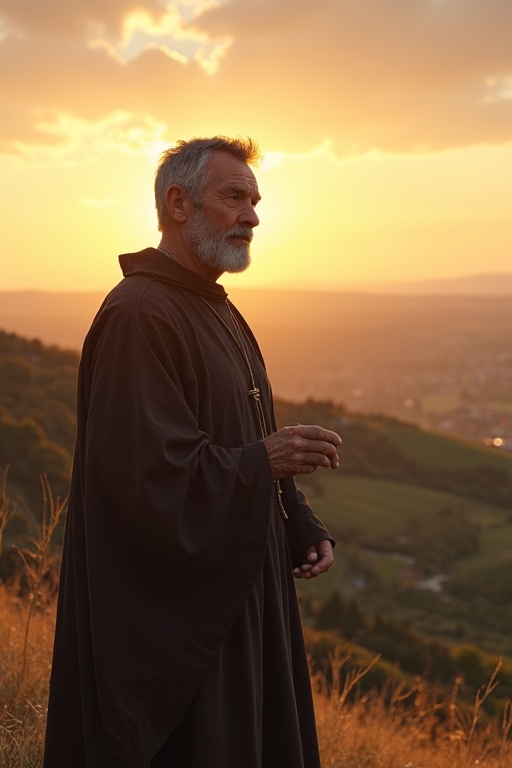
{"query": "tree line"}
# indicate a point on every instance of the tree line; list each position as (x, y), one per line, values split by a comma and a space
(398, 643)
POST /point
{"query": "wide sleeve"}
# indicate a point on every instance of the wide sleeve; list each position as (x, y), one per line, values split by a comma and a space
(303, 527)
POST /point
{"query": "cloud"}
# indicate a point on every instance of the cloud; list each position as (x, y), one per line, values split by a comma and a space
(391, 75)
(68, 20)
(119, 132)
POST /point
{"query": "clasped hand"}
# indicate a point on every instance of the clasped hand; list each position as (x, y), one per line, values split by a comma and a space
(319, 559)
(300, 449)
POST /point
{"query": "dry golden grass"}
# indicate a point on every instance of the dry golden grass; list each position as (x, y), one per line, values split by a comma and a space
(27, 620)
(373, 730)
(23, 678)
(393, 728)
(396, 728)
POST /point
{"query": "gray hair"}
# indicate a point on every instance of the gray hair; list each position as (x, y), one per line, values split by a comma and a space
(185, 165)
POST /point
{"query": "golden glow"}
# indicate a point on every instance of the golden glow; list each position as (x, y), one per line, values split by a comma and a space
(377, 218)
(396, 172)
(384, 217)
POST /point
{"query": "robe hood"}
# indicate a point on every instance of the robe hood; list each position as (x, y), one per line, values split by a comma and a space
(153, 263)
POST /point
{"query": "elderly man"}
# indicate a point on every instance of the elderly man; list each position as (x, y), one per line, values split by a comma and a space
(178, 640)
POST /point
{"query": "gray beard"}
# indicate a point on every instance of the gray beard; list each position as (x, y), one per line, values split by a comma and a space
(215, 250)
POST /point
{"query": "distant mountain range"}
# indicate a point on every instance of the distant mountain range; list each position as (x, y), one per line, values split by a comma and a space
(474, 285)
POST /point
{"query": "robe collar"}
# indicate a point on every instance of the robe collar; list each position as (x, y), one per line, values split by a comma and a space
(153, 263)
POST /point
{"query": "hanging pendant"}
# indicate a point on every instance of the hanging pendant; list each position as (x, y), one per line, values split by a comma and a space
(279, 492)
(253, 393)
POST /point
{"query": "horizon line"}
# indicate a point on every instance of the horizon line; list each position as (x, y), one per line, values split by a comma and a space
(311, 285)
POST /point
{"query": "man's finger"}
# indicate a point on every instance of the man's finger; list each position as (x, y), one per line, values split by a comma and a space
(313, 432)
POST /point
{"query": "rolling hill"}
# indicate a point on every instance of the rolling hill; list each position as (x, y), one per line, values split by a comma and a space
(423, 522)
(441, 361)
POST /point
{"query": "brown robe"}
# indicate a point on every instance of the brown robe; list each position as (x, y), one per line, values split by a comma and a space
(178, 639)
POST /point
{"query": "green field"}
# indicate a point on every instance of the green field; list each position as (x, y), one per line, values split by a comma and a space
(383, 507)
(436, 450)
(381, 582)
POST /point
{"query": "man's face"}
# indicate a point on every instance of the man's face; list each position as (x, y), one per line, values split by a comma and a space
(220, 232)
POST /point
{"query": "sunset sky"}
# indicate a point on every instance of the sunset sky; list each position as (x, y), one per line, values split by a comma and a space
(386, 127)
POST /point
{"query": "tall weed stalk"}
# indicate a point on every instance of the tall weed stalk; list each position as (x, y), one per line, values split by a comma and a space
(402, 727)
(40, 567)
(7, 507)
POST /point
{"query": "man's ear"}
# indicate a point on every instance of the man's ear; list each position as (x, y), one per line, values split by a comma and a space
(177, 203)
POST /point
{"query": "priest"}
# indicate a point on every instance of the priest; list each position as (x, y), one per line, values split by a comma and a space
(178, 640)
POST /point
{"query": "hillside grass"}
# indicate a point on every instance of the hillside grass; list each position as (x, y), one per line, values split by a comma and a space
(397, 727)
(382, 508)
(380, 582)
(496, 550)
(436, 450)
(401, 723)
(24, 674)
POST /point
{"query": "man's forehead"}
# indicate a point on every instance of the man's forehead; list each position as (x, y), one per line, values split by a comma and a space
(224, 168)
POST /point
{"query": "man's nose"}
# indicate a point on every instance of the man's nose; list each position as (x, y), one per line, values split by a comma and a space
(249, 217)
